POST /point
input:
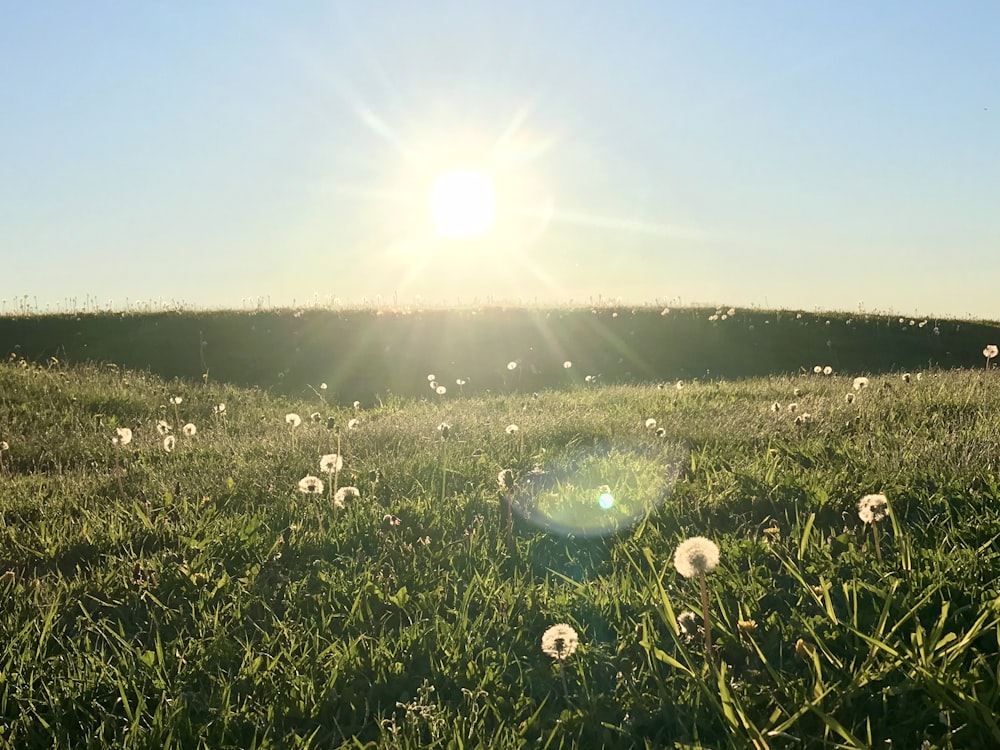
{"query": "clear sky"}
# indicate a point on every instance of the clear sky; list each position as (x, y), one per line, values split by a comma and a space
(781, 154)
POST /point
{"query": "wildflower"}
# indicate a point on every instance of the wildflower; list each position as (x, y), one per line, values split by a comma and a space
(433, 385)
(175, 400)
(775, 407)
(560, 641)
(747, 626)
(506, 480)
(860, 383)
(589, 379)
(680, 385)
(330, 423)
(392, 520)
(512, 365)
(512, 429)
(459, 382)
(219, 409)
(163, 427)
(696, 556)
(316, 417)
(873, 508)
(793, 407)
(123, 436)
(731, 311)
(920, 376)
(828, 370)
(906, 377)
(352, 424)
(169, 442)
(323, 386)
(567, 364)
(797, 392)
(440, 390)
(444, 428)
(818, 370)
(357, 405)
(849, 398)
(293, 419)
(4, 446)
(650, 423)
(665, 311)
(990, 352)
(713, 318)
(311, 485)
(190, 430)
(688, 622)
(660, 432)
(343, 494)
(431, 378)
(331, 463)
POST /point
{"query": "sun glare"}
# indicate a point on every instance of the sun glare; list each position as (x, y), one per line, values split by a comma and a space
(462, 203)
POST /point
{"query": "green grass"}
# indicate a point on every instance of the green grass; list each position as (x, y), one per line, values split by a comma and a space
(206, 602)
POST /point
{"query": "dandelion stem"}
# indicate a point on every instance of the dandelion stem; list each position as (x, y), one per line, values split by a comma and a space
(444, 468)
(336, 466)
(705, 616)
(878, 548)
(118, 475)
(562, 674)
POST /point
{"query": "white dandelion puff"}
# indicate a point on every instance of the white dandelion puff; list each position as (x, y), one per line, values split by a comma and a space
(560, 641)
(512, 429)
(331, 463)
(163, 427)
(310, 485)
(169, 443)
(123, 436)
(190, 430)
(293, 419)
(353, 424)
(696, 556)
(344, 494)
(860, 383)
(651, 423)
(873, 508)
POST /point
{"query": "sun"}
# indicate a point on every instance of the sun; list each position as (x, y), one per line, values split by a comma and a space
(462, 203)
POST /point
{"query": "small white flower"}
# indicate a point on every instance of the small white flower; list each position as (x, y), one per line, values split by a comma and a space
(175, 400)
(123, 436)
(459, 382)
(311, 485)
(331, 463)
(990, 351)
(651, 423)
(828, 370)
(567, 364)
(323, 386)
(696, 556)
(431, 378)
(873, 508)
(440, 390)
(190, 430)
(906, 377)
(860, 383)
(293, 419)
(512, 429)
(169, 442)
(357, 405)
(687, 621)
(344, 494)
(512, 365)
(560, 641)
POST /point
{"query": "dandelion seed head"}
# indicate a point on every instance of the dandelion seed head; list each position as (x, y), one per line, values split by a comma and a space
(849, 398)
(660, 432)
(505, 479)
(567, 364)
(353, 424)
(696, 556)
(162, 427)
(797, 392)
(4, 446)
(990, 351)
(175, 400)
(560, 641)
(512, 365)
(512, 429)
(316, 417)
(828, 370)
(310, 485)
(219, 409)
(650, 423)
(906, 377)
(357, 405)
(123, 436)
(860, 383)
(459, 382)
(293, 419)
(873, 508)
(169, 443)
(431, 378)
(331, 463)
(190, 430)
(323, 386)
(818, 369)
(440, 390)
(687, 621)
(344, 494)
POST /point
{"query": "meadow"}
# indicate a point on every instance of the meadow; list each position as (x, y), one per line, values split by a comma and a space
(193, 561)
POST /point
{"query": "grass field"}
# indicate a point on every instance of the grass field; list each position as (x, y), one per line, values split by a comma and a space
(199, 597)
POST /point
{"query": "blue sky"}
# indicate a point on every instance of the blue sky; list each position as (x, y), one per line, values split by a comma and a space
(774, 154)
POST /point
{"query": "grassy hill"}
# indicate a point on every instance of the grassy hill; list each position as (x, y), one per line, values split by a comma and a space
(198, 597)
(364, 353)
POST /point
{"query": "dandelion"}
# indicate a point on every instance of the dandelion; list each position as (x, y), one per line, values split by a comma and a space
(793, 407)
(776, 407)
(331, 423)
(293, 419)
(797, 392)
(906, 377)
(660, 432)
(440, 390)
(310, 485)
(747, 626)
(512, 365)
(860, 383)
(4, 446)
(687, 621)
(731, 311)
(871, 510)
(163, 427)
(331, 463)
(433, 385)
(849, 398)
(169, 443)
(650, 423)
(190, 430)
(505, 479)
(176, 400)
(567, 364)
(219, 409)
(828, 370)
(352, 424)
(560, 641)
(123, 436)
(323, 386)
(344, 494)
(680, 385)
(445, 429)
(990, 352)
(713, 318)
(431, 378)
(357, 405)
(696, 556)
(589, 379)
(512, 429)
(459, 382)
(818, 370)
